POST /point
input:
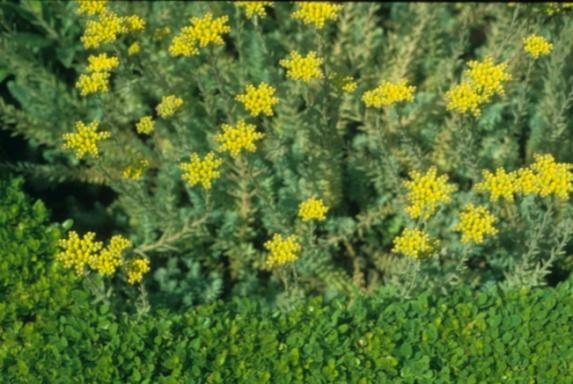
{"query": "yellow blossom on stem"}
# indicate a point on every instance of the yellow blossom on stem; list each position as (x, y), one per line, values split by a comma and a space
(536, 46)
(486, 77)
(136, 269)
(254, 7)
(84, 141)
(463, 98)
(145, 125)
(499, 184)
(77, 252)
(202, 172)
(316, 12)
(134, 49)
(552, 178)
(259, 99)
(202, 32)
(134, 23)
(109, 259)
(282, 250)
(389, 93)
(303, 68)
(426, 192)
(93, 83)
(413, 243)
(103, 30)
(168, 106)
(475, 223)
(349, 85)
(102, 63)
(312, 209)
(241, 136)
(90, 7)
(134, 172)
(526, 182)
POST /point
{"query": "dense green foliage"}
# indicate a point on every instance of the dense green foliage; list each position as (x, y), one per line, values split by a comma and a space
(52, 332)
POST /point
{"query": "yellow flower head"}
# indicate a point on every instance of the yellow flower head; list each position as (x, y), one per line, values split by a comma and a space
(103, 30)
(536, 46)
(349, 85)
(202, 172)
(316, 12)
(426, 192)
(202, 32)
(254, 7)
(303, 68)
(463, 98)
(134, 172)
(413, 243)
(90, 7)
(486, 77)
(389, 93)
(78, 252)
(109, 259)
(134, 49)
(552, 178)
(145, 125)
(102, 63)
(168, 106)
(312, 208)
(134, 23)
(242, 136)
(499, 185)
(259, 99)
(526, 182)
(136, 269)
(475, 223)
(93, 83)
(282, 250)
(84, 140)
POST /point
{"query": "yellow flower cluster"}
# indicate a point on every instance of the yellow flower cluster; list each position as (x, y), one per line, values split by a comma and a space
(134, 172)
(484, 80)
(106, 28)
(282, 250)
(145, 125)
(475, 223)
(201, 32)
(84, 141)
(93, 83)
(202, 172)
(134, 49)
(242, 136)
(136, 269)
(90, 7)
(254, 7)
(78, 252)
(349, 85)
(426, 192)
(413, 243)
(499, 185)
(134, 23)
(312, 208)
(389, 93)
(109, 259)
(303, 68)
(102, 63)
(537, 46)
(316, 12)
(259, 99)
(168, 106)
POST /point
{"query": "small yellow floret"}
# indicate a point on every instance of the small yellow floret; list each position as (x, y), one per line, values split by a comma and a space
(134, 49)
(413, 243)
(389, 93)
(109, 259)
(168, 106)
(103, 30)
(499, 185)
(84, 141)
(316, 12)
(145, 125)
(202, 32)
(241, 136)
(463, 98)
(312, 209)
(93, 83)
(303, 68)
(536, 46)
(282, 250)
(254, 7)
(259, 99)
(134, 23)
(202, 172)
(552, 178)
(136, 269)
(102, 63)
(426, 192)
(486, 77)
(77, 252)
(90, 7)
(475, 223)
(134, 172)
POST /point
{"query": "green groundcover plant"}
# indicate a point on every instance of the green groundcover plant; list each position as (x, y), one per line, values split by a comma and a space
(52, 330)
